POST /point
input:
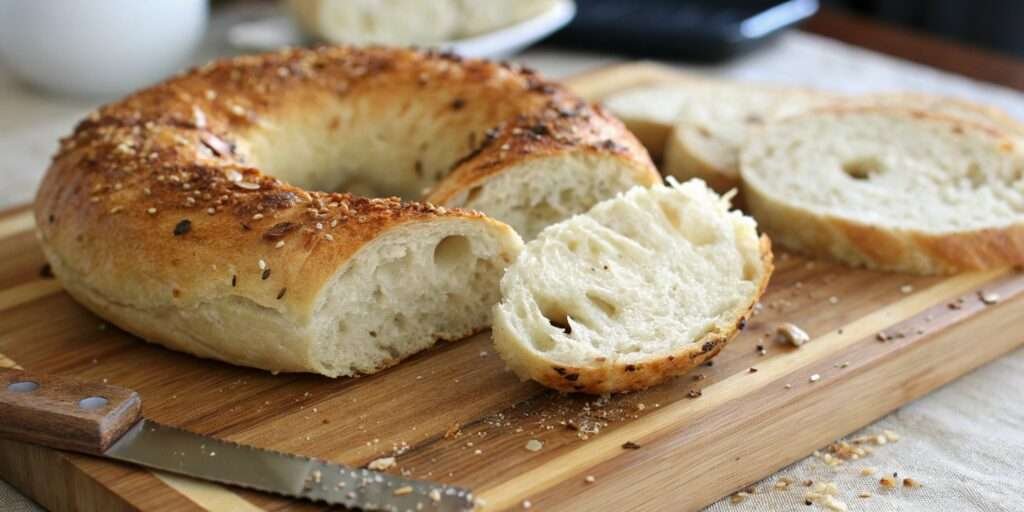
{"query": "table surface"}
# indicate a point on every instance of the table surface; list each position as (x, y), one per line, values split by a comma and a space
(963, 442)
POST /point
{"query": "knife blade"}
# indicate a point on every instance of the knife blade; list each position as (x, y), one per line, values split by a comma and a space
(104, 420)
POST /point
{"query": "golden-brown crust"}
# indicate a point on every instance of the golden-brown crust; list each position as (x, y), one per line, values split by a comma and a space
(621, 377)
(151, 204)
(573, 126)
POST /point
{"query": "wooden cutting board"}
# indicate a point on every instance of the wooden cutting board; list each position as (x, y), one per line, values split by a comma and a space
(456, 416)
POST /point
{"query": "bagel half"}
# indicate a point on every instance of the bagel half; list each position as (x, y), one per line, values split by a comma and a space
(195, 213)
(890, 189)
(642, 287)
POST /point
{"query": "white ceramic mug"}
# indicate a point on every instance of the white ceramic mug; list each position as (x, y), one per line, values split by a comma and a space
(99, 48)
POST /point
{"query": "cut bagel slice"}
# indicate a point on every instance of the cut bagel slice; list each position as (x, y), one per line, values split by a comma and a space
(890, 189)
(644, 286)
(715, 123)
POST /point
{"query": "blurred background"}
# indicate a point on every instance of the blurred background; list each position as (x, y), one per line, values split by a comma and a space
(992, 24)
(106, 48)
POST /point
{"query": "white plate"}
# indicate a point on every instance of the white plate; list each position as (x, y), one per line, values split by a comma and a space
(279, 30)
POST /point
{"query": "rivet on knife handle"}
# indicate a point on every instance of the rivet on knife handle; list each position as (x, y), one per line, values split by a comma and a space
(64, 413)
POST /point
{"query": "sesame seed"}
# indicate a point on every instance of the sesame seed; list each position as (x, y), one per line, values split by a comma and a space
(534, 445)
(833, 300)
(815, 378)
(211, 211)
(257, 216)
(906, 289)
(182, 227)
(589, 479)
(262, 264)
(402, 491)
(151, 211)
(329, 238)
(116, 209)
(279, 244)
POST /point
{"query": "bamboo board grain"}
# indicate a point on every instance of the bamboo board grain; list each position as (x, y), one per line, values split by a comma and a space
(692, 450)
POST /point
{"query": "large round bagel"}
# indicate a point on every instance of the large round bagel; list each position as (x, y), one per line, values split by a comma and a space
(197, 213)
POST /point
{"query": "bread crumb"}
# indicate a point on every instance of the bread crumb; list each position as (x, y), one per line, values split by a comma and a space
(910, 482)
(864, 494)
(382, 464)
(867, 471)
(790, 333)
(887, 481)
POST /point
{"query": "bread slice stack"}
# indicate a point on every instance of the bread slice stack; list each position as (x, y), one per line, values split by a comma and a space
(650, 110)
(696, 126)
(711, 128)
(849, 177)
(644, 286)
(891, 188)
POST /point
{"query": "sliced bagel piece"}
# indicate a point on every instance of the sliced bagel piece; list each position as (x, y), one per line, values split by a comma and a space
(650, 110)
(642, 287)
(716, 121)
(888, 188)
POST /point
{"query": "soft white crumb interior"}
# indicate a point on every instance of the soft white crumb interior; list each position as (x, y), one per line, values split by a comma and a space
(639, 275)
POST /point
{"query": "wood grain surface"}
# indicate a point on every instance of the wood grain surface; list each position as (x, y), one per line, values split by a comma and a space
(454, 415)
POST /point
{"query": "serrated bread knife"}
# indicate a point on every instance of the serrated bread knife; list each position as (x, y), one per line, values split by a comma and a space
(98, 419)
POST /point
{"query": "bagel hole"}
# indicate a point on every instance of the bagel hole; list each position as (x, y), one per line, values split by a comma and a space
(605, 306)
(862, 168)
(452, 251)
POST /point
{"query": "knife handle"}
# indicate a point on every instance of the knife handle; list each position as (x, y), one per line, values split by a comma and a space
(64, 413)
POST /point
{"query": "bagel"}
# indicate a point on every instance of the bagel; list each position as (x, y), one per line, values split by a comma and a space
(198, 213)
